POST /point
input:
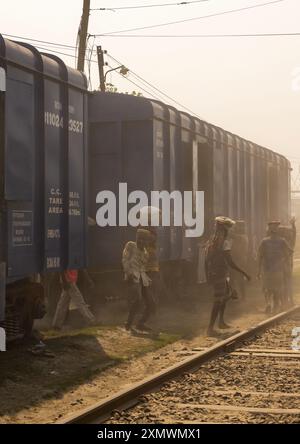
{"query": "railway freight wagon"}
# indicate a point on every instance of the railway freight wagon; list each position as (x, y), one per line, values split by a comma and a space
(43, 115)
(152, 146)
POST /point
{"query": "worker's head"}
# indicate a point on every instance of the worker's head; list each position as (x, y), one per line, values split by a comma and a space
(223, 226)
(273, 227)
(224, 223)
(142, 238)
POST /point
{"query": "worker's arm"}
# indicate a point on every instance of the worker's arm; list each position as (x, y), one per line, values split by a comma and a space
(294, 231)
(288, 250)
(260, 260)
(233, 265)
(126, 257)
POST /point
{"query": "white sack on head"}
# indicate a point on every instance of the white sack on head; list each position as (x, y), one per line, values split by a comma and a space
(150, 216)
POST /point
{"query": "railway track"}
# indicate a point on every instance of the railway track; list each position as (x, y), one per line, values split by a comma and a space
(253, 376)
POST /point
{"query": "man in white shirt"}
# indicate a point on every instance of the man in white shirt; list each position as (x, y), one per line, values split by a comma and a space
(134, 259)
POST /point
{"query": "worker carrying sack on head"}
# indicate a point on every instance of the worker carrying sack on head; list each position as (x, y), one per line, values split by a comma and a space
(134, 259)
(218, 262)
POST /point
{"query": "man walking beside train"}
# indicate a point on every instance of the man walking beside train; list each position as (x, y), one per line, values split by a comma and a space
(240, 255)
(289, 233)
(152, 267)
(273, 256)
(71, 293)
(218, 262)
(135, 258)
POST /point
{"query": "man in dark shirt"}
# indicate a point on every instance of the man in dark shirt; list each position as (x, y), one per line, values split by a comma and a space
(240, 255)
(273, 254)
(289, 233)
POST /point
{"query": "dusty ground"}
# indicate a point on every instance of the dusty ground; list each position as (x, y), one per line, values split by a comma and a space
(89, 364)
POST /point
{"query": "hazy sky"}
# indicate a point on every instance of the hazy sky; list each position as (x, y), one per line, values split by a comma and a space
(241, 84)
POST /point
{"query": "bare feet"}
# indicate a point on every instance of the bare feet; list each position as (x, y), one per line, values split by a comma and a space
(211, 332)
(224, 326)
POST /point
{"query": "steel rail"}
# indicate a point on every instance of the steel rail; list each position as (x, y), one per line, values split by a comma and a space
(99, 412)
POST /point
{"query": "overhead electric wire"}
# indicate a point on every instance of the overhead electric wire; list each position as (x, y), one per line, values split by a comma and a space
(132, 72)
(56, 52)
(50, 49)
(157, 89)
(39, 41)
(280, 34)
(231, 11)
(149, 6)
(43, 48)
(88, 59)
(131, 81)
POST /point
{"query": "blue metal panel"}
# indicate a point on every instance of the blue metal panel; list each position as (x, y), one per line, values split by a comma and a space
(240, 178)
(131, 146)
(225, 178)
(65, 167)
(77, 176)
(122, 149)
(161, 165)
(2, 290)
(219, 188)
(254, 241)
(105, 173)
(20, 135)
(175, 177)
(2, 218)
(188, 169)
(231, 190)
(55, 171)
(44, 217)
(21, 158)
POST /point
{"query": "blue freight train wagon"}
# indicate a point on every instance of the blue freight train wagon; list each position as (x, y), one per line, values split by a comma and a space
(152, 146)
(43, 166)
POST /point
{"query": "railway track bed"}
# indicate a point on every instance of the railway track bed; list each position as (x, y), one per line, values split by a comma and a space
(252, 377)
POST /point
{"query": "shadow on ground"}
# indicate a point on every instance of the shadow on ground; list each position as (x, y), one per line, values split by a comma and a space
(27, 379)
(74, 357)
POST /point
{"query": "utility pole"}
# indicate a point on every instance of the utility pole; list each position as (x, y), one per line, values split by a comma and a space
(100, 55)
(83, 30)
